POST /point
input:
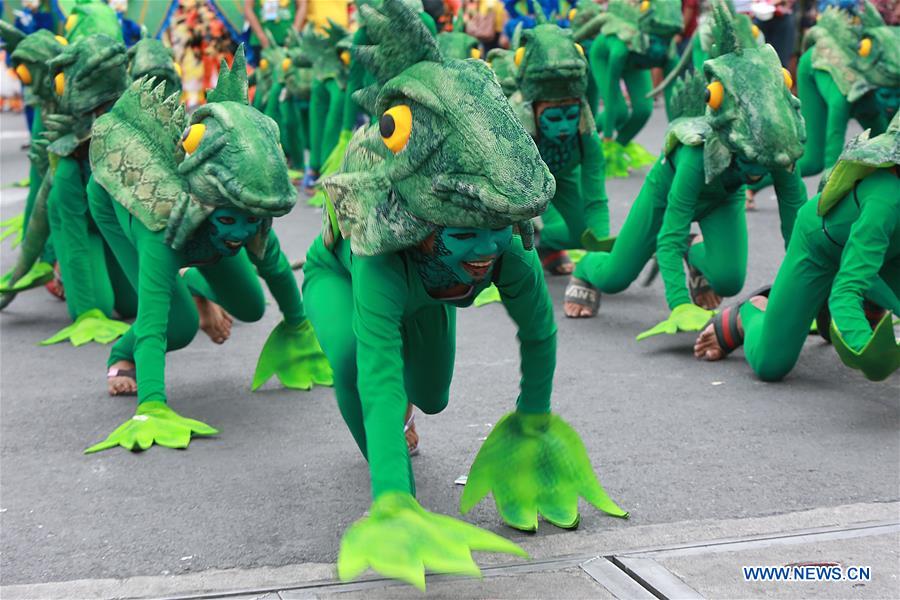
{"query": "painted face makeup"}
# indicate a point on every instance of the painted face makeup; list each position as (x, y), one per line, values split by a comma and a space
(559, 124)
(750, 172)
(230, 229)
(461, 255)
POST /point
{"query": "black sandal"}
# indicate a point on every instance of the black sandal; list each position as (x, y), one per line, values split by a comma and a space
(698, 284)
(582, 293)
(725, 323)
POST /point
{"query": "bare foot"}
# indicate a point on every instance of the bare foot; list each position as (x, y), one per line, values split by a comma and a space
(750, 201)
(120, 385)
(582, 290)
(707, 347)
(409, 429)
(708, 299)
(214, 321)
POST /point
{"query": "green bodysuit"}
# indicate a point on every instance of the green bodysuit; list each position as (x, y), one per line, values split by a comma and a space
(673, 196)
(842, 255)
(400, 343)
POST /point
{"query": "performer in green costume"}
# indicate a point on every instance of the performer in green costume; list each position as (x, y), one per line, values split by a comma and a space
(457, 43)
(748, 125)
(294, 102)
(587, 22)
(635, 36)
(422, 218)
(847, 71)
(551, 72)
(845, 247)
(29, 57)
(166, 200)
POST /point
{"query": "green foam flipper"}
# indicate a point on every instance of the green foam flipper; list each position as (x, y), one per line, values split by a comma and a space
(90, 326)
(879, 358)
(154, 423)
(684, 317)
(293, 354)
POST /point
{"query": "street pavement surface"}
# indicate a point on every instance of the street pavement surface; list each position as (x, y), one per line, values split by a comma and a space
(806, 470)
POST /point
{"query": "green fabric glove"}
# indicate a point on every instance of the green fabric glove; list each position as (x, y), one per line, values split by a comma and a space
(292, 353)
(400, 539)
(616, 163)
(684, 317)
(879, 358)
(638, 156)
(39, 274)
(154, 423)
(13, 226)
(488, 295)
(595, 244)
(90, 326)
(535, 464)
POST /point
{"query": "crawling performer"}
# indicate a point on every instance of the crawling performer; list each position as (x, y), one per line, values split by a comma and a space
(419, 220)
(748, 126)
(846, 246)
(165, 200)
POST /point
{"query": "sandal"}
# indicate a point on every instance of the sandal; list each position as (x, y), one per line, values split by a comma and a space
(55, 285)
(128, 373)
(582, 293)
(725, 323)
(412, 438)
(554, 260)
(698, 284)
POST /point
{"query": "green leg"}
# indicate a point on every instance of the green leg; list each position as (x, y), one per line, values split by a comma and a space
(80, 249)
(635, 244)
(638, 83)
(429, 351)
(598, 59)
(613, 104)
(231, 283)
(774, 338)
(565, 232)
(722, 255)
(318, 115)
(333, 119)
(183, 321)
(125, 294)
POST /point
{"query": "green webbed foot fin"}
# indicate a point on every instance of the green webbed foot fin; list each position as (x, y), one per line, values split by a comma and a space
(154, 423)
(684, 317)
(616, 164)
(400, 539)
(638, 156)
(292, 353)
(14, 226)
(535, 465)
(90, 326)
(39, 274)
(488, 295)
(879, 358)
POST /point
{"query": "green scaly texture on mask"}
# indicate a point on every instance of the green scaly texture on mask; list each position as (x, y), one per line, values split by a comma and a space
(324, 51)
(861, 156)
(35, 51)
(92, 17)
(588, 21)
(625, 20)
(758, 120)
(299, 74)
(150, 57)
(467, 162)
(835, 42)
(94, 74)
(137, 156)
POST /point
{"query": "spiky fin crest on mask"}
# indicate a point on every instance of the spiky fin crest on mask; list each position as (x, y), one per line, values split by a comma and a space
(399, 39)
(724, 37)
(10, 35)
(335, 32)
(232, 83)
(516, 39)
(540, 17)
(459, 21)
(870, 17)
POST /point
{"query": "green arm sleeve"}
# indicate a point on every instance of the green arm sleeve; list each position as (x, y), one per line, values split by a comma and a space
(275, 269)
(159, 266)
(523, 291)
(672, 241)
(380, 291)
(593, 184)
(791, 193)
(863, 255)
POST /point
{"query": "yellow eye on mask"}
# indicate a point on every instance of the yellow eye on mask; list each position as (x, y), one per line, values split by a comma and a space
(190, 140)
(345, 57)
(286, 64)
(788, 80)
(645, 6)
(580, 49)
(71, 22)
(518, 56)
(395, 127)
(61, 40)
(24, 74)
(715, 93)
(59, 84)
(264, 64)
(755, 31)
(865, 47)
(572, 14)
(475, 53)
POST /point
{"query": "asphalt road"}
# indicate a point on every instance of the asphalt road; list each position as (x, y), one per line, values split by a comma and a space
(673, 439)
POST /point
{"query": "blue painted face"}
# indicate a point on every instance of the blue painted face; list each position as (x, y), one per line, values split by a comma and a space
(230, 229)
(461, 255)
(559, 123)
(750, 172)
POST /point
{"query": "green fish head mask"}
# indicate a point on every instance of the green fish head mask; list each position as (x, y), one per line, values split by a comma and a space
(29, 61)
(751, 109)
(89, 74)
(661, 18)
(878, 55)
(151, 57)
(446, 150)
(92, 17)
(501, 61)
(551, 66)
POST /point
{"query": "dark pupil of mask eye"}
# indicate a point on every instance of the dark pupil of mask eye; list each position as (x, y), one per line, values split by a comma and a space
(386, 125)
(707, 95)
(186, 133)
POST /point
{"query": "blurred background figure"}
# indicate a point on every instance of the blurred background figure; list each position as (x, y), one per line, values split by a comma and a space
(276, 17)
